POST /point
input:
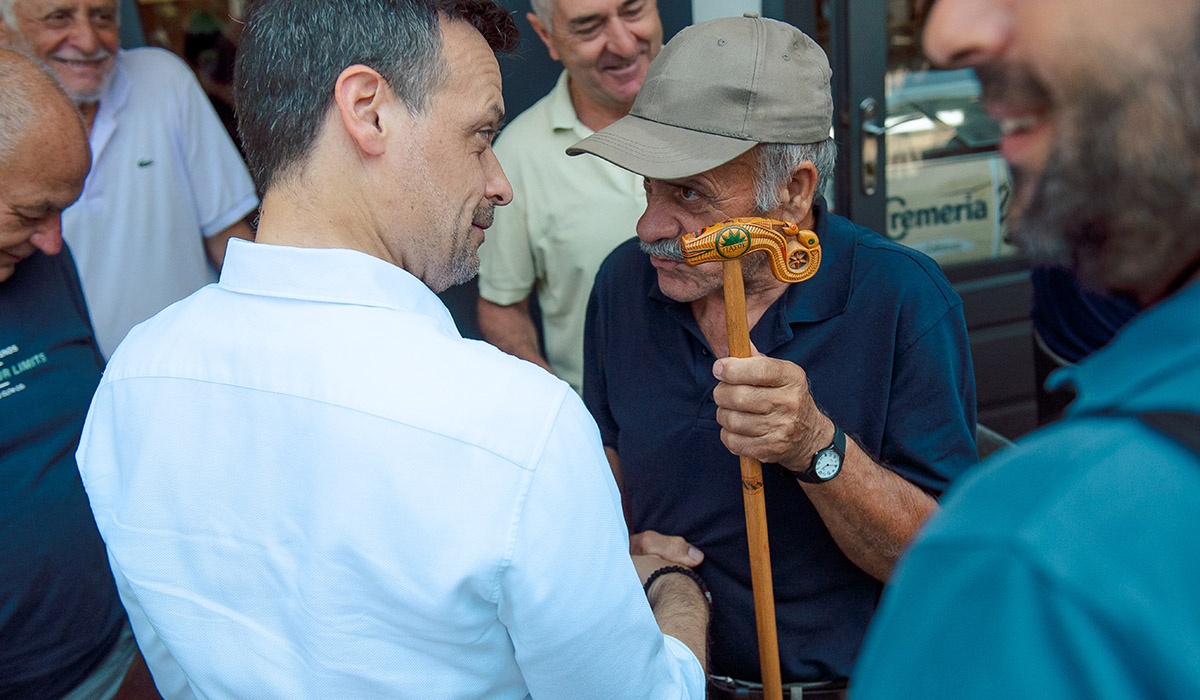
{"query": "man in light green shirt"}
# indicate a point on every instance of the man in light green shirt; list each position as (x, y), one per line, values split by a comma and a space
(567, 215)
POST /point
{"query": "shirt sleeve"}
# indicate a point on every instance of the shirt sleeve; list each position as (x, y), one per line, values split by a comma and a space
(573, 604)
(169, 679)
(930, 433)
(222, 190)
(507, 271)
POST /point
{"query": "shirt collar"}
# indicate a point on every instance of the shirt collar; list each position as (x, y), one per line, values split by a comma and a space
(562, 110)
(823, 296)
(329, 275)
(1125, 372)
(111, 102)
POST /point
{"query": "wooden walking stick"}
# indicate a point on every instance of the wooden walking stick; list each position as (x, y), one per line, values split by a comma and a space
(794, 256)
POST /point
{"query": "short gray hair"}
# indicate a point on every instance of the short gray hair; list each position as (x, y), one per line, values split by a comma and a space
(8, 12)
(19, 89)
(544, 9)
(775, 164)
(292, 53)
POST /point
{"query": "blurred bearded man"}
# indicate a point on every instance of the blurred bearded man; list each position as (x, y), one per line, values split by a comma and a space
(1066, 567)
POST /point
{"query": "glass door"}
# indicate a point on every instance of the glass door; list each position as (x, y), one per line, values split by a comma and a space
(917, 154)
(947, 186)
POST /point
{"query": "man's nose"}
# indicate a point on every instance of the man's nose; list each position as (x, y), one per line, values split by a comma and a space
(621, 39)
(48, 237)
(499, 189)
(84, 36)
(656, 224)
(962, 33)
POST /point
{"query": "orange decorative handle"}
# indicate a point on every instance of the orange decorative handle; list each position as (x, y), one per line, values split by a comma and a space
(795, 255)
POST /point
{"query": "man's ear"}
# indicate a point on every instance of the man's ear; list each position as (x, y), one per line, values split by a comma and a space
(360, 95)
(798, 191)
(543, 33)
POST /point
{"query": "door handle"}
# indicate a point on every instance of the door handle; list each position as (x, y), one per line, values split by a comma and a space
(872, 134)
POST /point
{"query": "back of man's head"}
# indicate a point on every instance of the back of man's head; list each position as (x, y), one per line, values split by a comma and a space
(34, 110)
(44, 158)
(292, 53)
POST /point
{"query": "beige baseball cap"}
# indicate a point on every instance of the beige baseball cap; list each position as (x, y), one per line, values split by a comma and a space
(717, 89)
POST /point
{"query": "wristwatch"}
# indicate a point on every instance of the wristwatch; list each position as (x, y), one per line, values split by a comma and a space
(826, 463)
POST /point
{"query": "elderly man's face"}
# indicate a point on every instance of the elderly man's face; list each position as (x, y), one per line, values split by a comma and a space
(78, 39)
(675, 208)
(42, 178)
(454, 180)
(1097, 103)
(605, 45)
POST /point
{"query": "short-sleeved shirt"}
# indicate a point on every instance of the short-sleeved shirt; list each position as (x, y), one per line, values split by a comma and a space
(881, 336)
(1065, 567)
(566, 216)
(312, 486)
(165, 176)
(59, 611)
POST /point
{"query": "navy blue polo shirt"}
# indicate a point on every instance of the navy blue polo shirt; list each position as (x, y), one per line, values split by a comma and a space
(59, 610)
(882, 338)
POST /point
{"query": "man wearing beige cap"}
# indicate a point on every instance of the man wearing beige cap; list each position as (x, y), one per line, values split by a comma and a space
(866, 364)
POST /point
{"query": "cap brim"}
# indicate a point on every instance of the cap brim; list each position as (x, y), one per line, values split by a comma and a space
(660, 151)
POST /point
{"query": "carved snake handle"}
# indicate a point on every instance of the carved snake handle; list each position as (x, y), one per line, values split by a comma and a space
(795, 255)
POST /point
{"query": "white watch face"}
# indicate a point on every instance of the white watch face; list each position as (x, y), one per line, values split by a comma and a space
(828, 463)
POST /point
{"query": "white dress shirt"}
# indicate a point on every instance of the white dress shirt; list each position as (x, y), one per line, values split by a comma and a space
(312, 487)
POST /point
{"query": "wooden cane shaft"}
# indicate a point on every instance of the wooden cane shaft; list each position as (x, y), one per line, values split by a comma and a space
(737, 328)
(737, 325)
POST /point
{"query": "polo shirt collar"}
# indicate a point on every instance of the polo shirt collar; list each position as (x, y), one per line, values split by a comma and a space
(329, 275)
(1123, 372)
(111, 102)
(819, 298)
(562, 110)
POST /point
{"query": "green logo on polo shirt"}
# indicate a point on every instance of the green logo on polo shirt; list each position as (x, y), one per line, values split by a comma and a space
(144, 162)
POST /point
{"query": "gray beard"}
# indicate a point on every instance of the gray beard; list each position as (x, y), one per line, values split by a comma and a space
(1119, 201)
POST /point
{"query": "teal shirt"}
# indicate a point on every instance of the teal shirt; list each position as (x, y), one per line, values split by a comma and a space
(1068, 566)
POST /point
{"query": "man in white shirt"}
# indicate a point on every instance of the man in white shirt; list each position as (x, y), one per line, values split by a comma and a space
(568, 214)
(309, 484)
(167, 187)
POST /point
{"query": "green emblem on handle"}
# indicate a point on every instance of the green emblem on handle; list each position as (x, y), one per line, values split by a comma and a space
(733, 242)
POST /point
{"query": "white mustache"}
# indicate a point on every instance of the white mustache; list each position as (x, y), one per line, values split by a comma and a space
(666, 248)
(70, 54)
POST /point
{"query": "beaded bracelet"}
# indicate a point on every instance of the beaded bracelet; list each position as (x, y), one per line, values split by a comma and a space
(686, 572)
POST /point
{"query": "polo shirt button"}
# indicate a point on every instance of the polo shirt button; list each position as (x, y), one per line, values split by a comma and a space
(704, 351)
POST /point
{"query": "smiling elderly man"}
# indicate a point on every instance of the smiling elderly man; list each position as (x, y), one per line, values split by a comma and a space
(167, 187)
(867, 361)
(571, 213)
